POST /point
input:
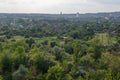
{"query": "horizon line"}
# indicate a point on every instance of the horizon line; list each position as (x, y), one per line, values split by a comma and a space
(56, 13)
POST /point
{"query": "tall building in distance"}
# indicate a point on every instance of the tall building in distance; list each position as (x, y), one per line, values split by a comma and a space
(61, 13)
(77, 14)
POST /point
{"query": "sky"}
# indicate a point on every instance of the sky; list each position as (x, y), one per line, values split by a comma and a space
(57, 6)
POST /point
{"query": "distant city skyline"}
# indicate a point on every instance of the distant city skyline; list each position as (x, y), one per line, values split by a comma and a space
(57, 6)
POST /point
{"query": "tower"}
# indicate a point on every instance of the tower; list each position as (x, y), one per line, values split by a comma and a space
(77, 14)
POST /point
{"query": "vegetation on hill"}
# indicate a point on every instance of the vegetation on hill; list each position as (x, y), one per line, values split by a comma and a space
(59, 48)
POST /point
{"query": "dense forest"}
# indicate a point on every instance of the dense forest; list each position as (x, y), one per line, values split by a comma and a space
(60, 46)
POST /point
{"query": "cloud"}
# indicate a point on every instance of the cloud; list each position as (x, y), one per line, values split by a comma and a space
(113, 2)
(55, 6)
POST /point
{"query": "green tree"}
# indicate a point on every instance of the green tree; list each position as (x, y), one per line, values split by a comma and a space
(6, 63)
(20, 74)
(58, 52)
(30, 42)
(19, 57)
(57, 73)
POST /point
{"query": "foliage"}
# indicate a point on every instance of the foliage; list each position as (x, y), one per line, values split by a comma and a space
(20, 74)
(59, 48)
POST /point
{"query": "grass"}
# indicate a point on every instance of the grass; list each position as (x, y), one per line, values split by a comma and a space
(18, 38)
(49, 39)
(40, 40)
(1, 36)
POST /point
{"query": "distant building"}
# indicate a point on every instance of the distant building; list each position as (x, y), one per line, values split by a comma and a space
(110, 14)
(106, 18)
(77, 14)
(61, 13)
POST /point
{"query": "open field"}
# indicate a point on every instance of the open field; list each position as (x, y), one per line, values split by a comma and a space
(105, 39)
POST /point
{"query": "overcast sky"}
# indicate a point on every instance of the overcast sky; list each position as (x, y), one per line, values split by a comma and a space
(56, 6)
